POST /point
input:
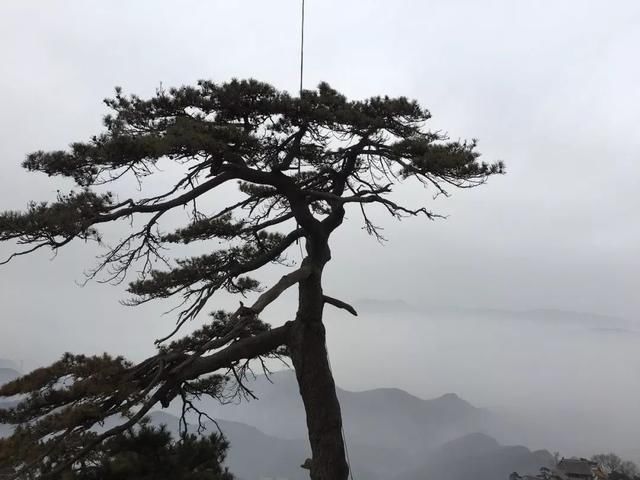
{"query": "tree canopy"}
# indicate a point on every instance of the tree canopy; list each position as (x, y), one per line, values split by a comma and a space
(615, 464)
(298, 163)
(147, 453)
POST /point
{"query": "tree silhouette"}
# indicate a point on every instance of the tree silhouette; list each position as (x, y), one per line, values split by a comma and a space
(147, 453)
(613, 463)
(298, 163)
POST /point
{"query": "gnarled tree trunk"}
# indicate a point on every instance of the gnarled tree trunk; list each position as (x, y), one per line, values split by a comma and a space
(318, 391)
(307, 344)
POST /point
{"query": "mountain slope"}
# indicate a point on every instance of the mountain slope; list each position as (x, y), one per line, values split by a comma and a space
(386, 418)
(253, 455)
(388, 431)
(480, 457)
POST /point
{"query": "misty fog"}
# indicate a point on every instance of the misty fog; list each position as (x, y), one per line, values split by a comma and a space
(522, 301)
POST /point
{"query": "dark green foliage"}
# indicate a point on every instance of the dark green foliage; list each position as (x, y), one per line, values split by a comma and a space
(151, 454)
(215, 329)
(147, 453)
(221, 269)
(70, 396)
(70, 216)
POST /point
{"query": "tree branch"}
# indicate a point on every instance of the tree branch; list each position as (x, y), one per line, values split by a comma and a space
(283, 284)
(175, 202)
(340, 304)
(246, 348)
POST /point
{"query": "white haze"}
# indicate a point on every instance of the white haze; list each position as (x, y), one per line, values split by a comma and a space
(570, 385)
(550, 87)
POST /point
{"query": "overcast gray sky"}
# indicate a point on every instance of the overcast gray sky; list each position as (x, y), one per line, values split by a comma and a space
(552, 88)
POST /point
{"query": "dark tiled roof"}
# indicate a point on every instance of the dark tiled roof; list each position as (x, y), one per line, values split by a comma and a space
(576, 467)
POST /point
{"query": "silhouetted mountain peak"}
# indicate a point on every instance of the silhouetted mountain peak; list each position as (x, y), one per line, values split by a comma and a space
(452, 404)
(449, 397)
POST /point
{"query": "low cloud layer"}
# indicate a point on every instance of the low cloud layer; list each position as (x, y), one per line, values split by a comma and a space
(551, 89)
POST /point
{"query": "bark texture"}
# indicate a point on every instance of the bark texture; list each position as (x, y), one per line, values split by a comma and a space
(308, 349)
(318, 391)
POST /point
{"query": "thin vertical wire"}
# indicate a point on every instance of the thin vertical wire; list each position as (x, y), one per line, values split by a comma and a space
(301, 78)
(344, 437)
(302, 48)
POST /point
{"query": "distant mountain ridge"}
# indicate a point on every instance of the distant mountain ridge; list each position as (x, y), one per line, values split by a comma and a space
(254, 455)
(390, 434)
(382, 306)
(479, 457)
(7, 375)
(385, 417)
(6, 363)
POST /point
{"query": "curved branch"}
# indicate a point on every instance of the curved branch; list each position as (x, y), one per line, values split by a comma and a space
(250, 347)
(340, 304)
(169, 204)
(283, 284)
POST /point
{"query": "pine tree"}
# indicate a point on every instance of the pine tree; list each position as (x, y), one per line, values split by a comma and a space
(148, 453)
(298, 164)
